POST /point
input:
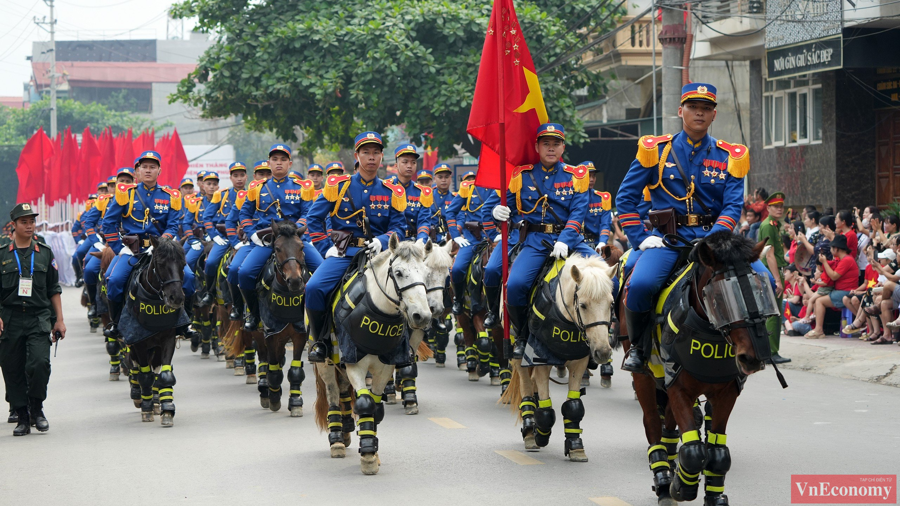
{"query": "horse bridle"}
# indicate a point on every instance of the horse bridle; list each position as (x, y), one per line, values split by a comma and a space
(279, 266)
(578, 320)
(756, 321)
(390, 275)
(162, 284)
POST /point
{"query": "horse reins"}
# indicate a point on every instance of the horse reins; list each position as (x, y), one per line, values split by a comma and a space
(390, 275)
(578, 320)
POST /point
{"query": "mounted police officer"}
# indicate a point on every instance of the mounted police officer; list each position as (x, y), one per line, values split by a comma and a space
(88, 221)
(443, 178)
(220, 205)
(553, 200)
(186, 187)
(279, 198)
(261, 172)
(144, 209)
(493, 272)
(464, 224)
(29, 301)
(419, 198)
(316, 174)
(696, 185)
(598, 223)
(194, 209)
(364, 212)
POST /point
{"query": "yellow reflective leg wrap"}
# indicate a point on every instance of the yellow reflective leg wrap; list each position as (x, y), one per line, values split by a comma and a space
(693, 435)
(574, 394)
(145, 369)
(687, 478)
(166, 394)
(296, 363)
(658, 457)
(545, 403)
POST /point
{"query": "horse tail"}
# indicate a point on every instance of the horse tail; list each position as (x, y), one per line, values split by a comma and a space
(321, 406)
(513, 394)
(232, 339)
(423, 352)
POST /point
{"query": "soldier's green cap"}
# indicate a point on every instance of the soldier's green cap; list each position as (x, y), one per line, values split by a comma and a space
(22, 210)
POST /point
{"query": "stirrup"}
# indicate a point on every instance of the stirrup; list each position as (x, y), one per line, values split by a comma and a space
(634, 362)
(317, 353)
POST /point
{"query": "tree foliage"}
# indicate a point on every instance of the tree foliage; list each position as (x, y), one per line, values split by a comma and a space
(17, 125)
(333, 68)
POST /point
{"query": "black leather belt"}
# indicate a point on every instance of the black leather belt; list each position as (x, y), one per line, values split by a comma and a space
(694, 220)
(542, 228)
(591, 238)
(358, 242)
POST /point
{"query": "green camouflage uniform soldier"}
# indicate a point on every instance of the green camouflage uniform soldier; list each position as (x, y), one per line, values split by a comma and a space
(29, 295)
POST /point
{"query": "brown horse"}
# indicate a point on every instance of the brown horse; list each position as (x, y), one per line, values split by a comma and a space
(721, 255)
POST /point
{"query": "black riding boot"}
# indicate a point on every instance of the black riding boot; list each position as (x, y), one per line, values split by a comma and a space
(92, 297)
(459, 295)
(79, 273)
(318, 351)
(492, 319)
(210, 296)
(38, 420)
(237, 303)
(115, 310)
(23, 426)
(252, 321)
(637, 325)
(518, 316)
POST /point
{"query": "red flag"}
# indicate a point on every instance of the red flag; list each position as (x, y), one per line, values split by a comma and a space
(175, 162)
(124, 151)
(52, 171)
(68, 167)
(89, 161)
(30, 169)
(429, 158)
(107, 165)
(505, 65)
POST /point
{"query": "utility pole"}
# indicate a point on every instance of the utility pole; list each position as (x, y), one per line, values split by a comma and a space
(672, 37)
(53, 75)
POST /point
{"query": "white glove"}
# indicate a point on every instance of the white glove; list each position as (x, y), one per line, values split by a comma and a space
(651, 242)
(197, 246)
(239, 245)
(99, 246)
(498, 238)
(560, 250)
(462, 241)
(500, 213)
(81, 242)
(207, 238)
(374, 247)
(332, 252)
(256, 240)
(220, 241)
(126, 252)
(599, 249)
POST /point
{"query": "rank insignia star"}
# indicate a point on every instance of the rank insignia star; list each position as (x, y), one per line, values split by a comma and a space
(722, 175)
(714, 174)
(706, 173)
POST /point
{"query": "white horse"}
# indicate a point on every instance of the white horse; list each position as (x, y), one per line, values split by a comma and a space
(395, 281)
(437, 264)
(584, 299)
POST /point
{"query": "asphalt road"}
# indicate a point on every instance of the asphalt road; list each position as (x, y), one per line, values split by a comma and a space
(225, 449)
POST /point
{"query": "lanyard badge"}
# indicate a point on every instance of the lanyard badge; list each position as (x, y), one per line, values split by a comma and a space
(25, 283)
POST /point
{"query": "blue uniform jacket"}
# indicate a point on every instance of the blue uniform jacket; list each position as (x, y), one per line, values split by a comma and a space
(381, 201)
(78, 228)
(234, 218)
(133, 209)
(439, 211)
(599, 219)
(271, 200)
(218, 209)
(193, 214)
(715, 170)
(466, 206)
(419, 203)
(564, 188)
(90, 221)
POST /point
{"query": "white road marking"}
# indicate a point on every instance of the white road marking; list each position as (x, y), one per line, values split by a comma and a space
(447, 423)
(519, 457)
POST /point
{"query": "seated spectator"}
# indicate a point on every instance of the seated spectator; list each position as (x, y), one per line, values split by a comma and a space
(754, 220)
(844, 273)
(870, 298)
(884, 230)
(793, 295)
(796, 253)
(827, 233)
(758, 203)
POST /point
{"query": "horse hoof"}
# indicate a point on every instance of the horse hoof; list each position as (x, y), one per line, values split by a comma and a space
(137, 403)
(113, 376)
(194, 348)
(264, 402)
(251, 379)
(605, 381)
(239, 371)
(156, 409)
(462, 367)
(168, 419)
(368, 464)
(667, 501)
(390, 399)
(221, 358)
(530, 445)
(348, 438)
(229, 363)
(473, 375)
(274, 405)
(93, 330)
(338, 451)
(577, 456)
(297, 412)
(146, 416)
(495, 382)
(412, 409)
(440, 365)
(204, 356)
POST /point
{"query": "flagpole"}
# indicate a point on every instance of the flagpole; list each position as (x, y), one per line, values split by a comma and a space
(504, 226)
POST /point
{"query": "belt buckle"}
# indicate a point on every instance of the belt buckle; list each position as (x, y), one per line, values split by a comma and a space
(693, 220)
(145, 243)
(548, 229)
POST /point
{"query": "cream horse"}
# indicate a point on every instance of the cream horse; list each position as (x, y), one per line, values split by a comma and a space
(437, 264)
(395, 280)
(585, 299)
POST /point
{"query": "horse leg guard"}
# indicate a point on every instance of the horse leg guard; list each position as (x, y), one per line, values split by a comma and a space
(347, 416)
(295, 377)
(112, 349)
(335, 425)
(390, 391)
(707, 417)
(408, 376)
(692, 458)
(206, 340)
(495, 366)
(274, 377)
(135, 387)
(573, 412)
(145, 380)
(441, 339)
(658, 455)
(526, 411)
(460, 341)
(483, 346)
(250, 361)
(670, 441)
(366, 407)
(717, 465)
(471, 360)
(544, 418)
(505, 377)
(166, 382)
(263, 384)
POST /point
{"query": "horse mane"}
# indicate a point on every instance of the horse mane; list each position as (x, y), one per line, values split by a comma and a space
(439, 259)
(285, 228)
(728, 248)
(595, 284)
(168, 251)
(406, 251)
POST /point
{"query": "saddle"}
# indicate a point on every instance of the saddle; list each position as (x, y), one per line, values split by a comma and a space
(475, 277)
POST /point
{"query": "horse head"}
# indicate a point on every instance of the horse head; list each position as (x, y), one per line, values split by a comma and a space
(290, 265)
(736, 300)
(585, 297)
(403, 269)
(166, 271)
(437, 267)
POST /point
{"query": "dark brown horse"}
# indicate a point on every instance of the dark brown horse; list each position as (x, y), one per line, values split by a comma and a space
(721, 255)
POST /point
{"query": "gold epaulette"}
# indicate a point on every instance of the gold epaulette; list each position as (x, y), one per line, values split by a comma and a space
(738, 158)
(102, 202)
(515, 182)
(253, 189)
(174, 198)
(307, 189)
(217, 197)
(192, 203)
(239, 198)
(332, 188)
(465, 189)
(398, 195)
(426, 197)
(580, 180)
(606, 203)
(122, 193)
(648, 152)
(647, 196)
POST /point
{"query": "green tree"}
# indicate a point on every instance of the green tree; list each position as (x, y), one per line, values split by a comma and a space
(335, 67)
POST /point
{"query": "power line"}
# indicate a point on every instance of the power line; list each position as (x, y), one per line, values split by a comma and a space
(97, 6)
